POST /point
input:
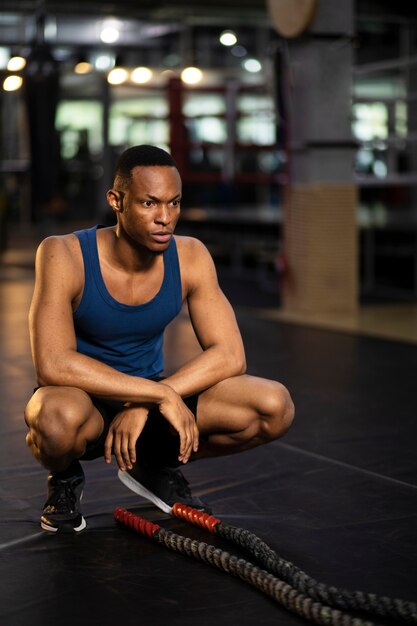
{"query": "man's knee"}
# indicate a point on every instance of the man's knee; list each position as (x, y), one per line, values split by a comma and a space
(277, 412)
(54, 417)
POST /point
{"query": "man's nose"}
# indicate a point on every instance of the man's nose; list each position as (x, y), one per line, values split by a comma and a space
(164, 215)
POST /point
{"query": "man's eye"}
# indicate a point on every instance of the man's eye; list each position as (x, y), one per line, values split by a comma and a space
(148, 203)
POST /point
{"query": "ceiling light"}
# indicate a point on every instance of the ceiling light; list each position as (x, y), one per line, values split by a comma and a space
(109, 34)
(252, 65)
(16, 64)
(191, 75)
(83, 68)
(228, 38)
(117, 76)
(141, 75)
(12, 83)
(104, 62)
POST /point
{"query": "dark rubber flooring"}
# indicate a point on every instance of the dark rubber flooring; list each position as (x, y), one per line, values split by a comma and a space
(337, 496)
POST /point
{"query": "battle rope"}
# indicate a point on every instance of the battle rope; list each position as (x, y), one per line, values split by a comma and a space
(296, 578)
(266, 582)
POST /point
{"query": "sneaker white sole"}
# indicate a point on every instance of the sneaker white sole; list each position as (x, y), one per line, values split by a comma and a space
(53, 529)
(133, 485)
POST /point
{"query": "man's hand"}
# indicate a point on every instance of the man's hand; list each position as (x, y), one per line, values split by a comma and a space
(123, 434)
(182, 421)
(128, 425)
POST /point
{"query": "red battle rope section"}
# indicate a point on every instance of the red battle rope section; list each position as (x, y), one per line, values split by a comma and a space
(198, 518)
(136, 522)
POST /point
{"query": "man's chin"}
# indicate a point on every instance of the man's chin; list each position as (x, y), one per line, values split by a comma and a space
(159, 248)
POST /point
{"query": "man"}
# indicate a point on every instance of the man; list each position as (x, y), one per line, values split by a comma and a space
(102, 299)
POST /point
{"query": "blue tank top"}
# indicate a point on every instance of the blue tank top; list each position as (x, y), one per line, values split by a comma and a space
(126, 337)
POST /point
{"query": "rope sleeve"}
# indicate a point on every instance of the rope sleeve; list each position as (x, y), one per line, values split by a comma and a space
(198, 518)
(136, 522)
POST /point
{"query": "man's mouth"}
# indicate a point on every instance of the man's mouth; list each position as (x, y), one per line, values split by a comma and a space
(162, 237)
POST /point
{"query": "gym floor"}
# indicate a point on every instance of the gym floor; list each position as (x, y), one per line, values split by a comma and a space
(337, 496)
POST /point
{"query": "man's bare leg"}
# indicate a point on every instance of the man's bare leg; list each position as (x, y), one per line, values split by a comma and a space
(240, 413)
(62, 421)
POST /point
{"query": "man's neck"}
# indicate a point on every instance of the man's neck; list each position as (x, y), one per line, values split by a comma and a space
(127, 254)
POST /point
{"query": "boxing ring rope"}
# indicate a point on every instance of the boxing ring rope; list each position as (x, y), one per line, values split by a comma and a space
(282, 580)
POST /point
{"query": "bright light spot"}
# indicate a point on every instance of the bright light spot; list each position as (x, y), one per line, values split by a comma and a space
(141, 75)
(12, 83)
(117, 76)
(51, 28)
(16, 64)
(104, 62)
(370, 121)
(228, 38)
(252, 65)
(380, 169)
(109, 34)
(83, 68)
(191, 75)
(4, 57)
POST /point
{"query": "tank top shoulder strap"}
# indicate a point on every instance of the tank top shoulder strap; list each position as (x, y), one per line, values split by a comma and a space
(172, 266)
(88, 244)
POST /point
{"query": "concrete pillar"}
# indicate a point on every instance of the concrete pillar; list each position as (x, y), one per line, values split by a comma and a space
(320, 233)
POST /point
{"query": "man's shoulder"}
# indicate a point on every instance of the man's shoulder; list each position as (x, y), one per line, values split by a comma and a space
(195, 261)
(61, 248)
(59, 241)
(190, 246)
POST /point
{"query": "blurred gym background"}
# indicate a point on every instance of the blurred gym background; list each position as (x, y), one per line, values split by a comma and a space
(293, 123)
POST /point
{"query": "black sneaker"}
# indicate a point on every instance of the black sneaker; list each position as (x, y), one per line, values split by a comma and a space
(62, 508)
(164, 486)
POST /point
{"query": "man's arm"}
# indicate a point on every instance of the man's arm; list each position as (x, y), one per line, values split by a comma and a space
(54, 349)
(53, 340)
(214, 323)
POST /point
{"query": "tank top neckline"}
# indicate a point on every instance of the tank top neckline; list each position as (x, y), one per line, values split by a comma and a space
(101, 285)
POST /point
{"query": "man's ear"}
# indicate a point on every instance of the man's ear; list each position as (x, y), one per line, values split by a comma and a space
(115, 200)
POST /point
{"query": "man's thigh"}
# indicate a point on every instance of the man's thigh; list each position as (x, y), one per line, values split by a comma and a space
(73, 405)
(233, 404)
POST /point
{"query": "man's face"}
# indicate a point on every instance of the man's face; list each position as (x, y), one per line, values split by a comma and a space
(149, 208)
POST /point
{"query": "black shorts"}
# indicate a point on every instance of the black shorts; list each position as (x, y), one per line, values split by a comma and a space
(157, 444)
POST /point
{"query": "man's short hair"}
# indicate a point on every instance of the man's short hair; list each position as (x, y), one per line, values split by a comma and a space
(143, 155)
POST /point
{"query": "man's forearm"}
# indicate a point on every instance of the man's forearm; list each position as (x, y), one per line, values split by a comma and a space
(77, 370)
(205, 370)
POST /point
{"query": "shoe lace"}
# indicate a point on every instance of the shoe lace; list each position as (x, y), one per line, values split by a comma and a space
(63, 498)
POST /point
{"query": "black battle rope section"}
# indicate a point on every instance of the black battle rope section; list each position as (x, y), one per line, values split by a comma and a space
(400, 610)
(283, 593)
